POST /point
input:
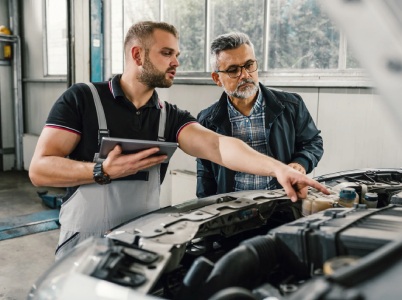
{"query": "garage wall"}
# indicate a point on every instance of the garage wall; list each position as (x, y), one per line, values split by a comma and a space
(358, 129)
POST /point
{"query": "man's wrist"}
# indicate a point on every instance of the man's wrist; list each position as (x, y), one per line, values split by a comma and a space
(99, 175)
(299, 167)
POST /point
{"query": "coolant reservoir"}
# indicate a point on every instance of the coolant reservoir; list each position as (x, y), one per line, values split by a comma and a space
(317, 201)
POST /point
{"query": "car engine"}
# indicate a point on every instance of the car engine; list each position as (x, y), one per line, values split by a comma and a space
(250, 245)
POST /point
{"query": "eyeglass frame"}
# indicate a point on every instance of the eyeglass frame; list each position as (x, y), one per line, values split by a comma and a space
(241, 69)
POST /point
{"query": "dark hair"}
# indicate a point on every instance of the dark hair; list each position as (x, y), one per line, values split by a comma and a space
(227, 41)
(142, 32)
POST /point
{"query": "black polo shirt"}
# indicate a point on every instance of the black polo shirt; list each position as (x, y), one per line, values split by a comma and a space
(75, 111)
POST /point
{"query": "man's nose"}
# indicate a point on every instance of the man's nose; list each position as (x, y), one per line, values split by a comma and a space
(244, 73)
(175, 62)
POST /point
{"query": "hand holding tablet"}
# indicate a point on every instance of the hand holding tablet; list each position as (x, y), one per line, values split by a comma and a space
(130, 146)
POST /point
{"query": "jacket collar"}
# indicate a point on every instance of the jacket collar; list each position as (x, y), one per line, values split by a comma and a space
(273, 106)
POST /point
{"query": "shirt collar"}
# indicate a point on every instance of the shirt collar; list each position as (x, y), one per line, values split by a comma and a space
(259, 104)
(231, 109)
(118, 93)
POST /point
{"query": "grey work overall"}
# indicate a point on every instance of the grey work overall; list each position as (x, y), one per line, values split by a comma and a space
(95, 209)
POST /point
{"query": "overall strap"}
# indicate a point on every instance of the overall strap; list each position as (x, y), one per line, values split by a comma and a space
(103, 131)
(162, 123)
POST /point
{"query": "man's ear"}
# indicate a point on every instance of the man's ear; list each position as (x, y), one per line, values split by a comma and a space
(136, 55)
(215, 77)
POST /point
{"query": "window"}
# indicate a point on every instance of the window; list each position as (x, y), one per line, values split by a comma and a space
(301, 37)
(117, 36)
(188, 16)
(245, 15)
(55, 38)
(289, 36)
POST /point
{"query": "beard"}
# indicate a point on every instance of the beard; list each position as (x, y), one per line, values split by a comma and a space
(152, 77)
(247, 91)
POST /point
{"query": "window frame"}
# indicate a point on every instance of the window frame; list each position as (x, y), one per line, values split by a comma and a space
(45, 45)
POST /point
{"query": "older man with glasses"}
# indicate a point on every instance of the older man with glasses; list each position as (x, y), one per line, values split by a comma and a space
(275, 123)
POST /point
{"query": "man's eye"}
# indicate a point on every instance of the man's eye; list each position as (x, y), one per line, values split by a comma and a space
(166, 53)
(232, 70)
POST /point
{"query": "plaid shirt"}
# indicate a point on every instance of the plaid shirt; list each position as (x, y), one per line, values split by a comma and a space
(251, 130)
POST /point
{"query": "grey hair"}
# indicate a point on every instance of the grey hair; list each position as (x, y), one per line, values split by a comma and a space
(227, 41)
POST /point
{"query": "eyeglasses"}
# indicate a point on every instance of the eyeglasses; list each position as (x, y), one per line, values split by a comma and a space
(235, 71)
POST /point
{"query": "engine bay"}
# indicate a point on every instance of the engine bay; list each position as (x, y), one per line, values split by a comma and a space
(253, 245)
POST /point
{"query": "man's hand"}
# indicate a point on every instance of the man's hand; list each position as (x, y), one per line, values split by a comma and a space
(295, 183)
(118, 165)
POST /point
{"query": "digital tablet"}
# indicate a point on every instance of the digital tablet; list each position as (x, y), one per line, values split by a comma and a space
(132, 146)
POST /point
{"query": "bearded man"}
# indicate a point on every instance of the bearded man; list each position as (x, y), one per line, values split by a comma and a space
(274, 123)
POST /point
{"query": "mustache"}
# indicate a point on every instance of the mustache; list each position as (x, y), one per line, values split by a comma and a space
(247, 80)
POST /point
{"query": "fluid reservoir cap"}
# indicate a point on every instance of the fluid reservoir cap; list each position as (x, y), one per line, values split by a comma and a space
(371, 197)
(347, 193)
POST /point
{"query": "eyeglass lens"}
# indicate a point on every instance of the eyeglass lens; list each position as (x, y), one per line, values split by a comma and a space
(236, 71)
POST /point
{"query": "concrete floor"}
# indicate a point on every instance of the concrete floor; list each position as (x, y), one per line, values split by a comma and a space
(23, 259)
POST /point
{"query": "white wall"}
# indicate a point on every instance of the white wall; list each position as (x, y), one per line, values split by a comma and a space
(359, 131)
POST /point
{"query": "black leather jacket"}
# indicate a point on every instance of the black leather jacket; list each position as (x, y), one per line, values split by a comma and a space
(291, 133)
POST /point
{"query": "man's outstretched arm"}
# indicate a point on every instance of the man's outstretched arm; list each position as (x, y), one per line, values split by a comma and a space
(234, 154)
